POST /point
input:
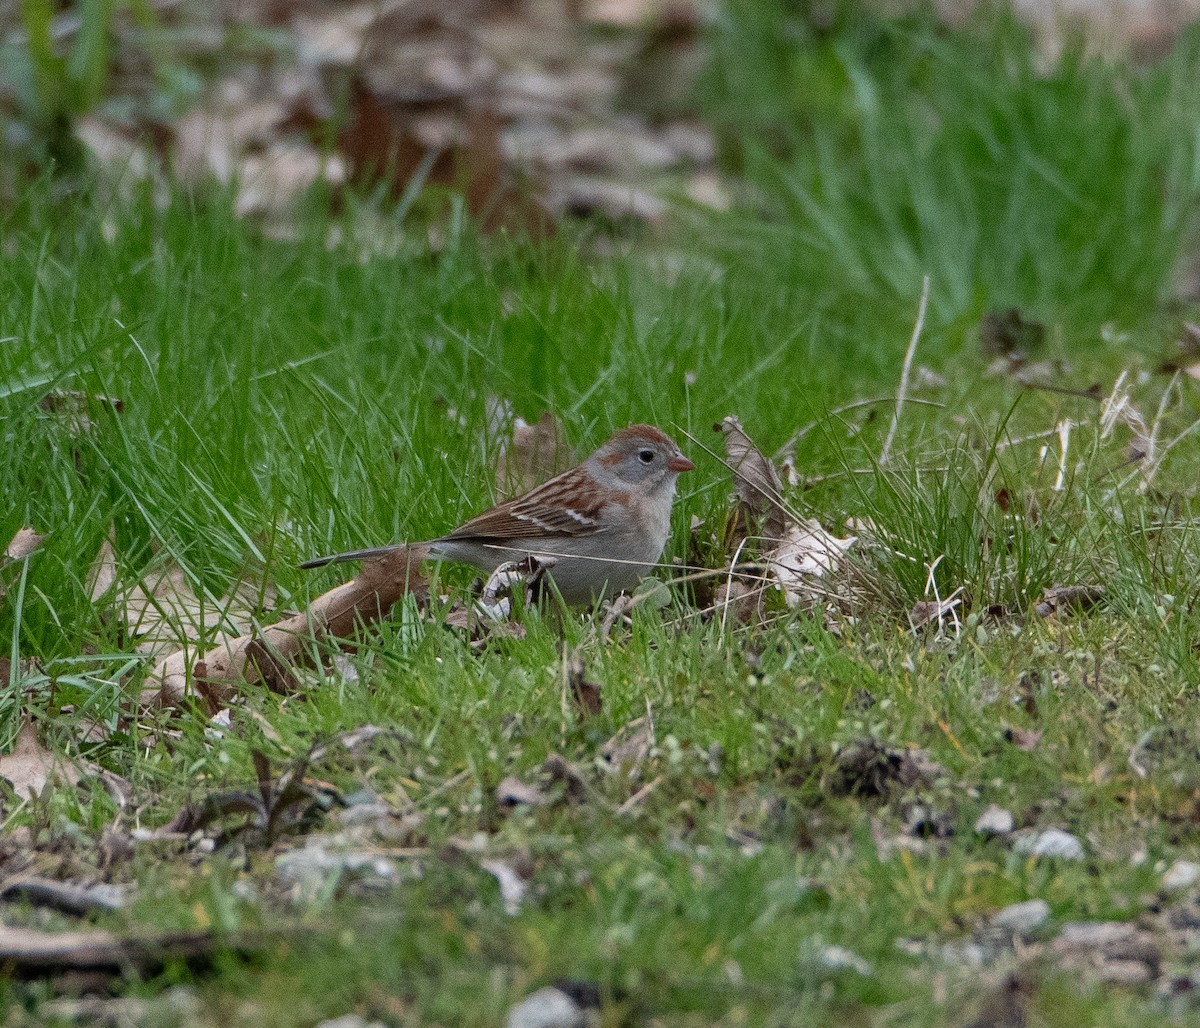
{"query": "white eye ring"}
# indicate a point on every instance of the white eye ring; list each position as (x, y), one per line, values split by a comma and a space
(646, 456)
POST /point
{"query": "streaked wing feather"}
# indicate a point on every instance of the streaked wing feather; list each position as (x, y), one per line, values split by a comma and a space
(564, 506)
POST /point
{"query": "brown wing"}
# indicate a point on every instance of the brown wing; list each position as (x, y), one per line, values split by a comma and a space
(568, 505)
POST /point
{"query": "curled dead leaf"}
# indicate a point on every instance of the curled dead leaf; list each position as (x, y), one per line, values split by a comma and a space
(755, 480)
(365, 599)
(524, 577)
(806, 554)
(513, 876)
(1010, 334)
(867, 768)
(585, 694)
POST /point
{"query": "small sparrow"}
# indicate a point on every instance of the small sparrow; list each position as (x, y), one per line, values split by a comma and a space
(603, 524)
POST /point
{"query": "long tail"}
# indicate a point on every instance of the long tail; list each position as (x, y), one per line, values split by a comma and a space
(342, 558)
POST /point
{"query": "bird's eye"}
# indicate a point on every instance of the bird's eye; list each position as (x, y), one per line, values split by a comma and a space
(646, 456)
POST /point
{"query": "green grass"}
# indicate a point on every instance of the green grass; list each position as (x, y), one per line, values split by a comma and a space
(283, 399)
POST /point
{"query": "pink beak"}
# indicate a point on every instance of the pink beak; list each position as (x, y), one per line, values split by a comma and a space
(680, 464)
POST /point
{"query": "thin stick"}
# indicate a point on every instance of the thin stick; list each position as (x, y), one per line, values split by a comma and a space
(638, 797)
(1004, 444)
(728, 586)
(902, 392)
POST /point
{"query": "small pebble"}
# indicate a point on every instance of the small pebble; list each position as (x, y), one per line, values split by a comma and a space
(547, 1008)
(838, 958)
(1183, 874)
(995, 821)
(1053, 842)
(350, 1021)
(1022, 918)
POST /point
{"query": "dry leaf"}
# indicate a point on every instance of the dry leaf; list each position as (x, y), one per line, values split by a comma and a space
(31, 766)
(537, 453)
(526, 576)
(756, 481)
(1078, 598)
(270, 654)
(1024, 739)
(22, 544)
(568, 775)
(629, 747)
(512, 792)
(1010, 335)
(163, 612)
(333, 38)
(74, 406)
(586, 695)
(867, 768)
(738, 600)
(807, 554)
(513, 883)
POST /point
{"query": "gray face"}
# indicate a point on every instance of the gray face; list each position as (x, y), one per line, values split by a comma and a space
(641, 463)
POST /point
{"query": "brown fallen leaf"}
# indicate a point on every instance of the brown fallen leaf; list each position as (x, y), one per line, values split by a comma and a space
(537, 452)
(1077, 598)
(563, 772)
(22, 544)
(866, 768)
(1024, 739)
(626, 751)
(74, 406)
(759, 490)
(30, 766)
(586, 695)
(1009, 334)
(512, 792)
(482, 624)
(926, 611)
(268, 654)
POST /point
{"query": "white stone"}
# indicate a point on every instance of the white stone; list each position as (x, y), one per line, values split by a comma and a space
(546, 1008)
(838, 958)
(1022, 918)
(995, 821)
(1183, 874)
(1053, 842)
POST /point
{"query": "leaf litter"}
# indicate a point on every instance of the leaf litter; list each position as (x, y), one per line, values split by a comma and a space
(21, 545)
(30, 767)
(807, 557)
